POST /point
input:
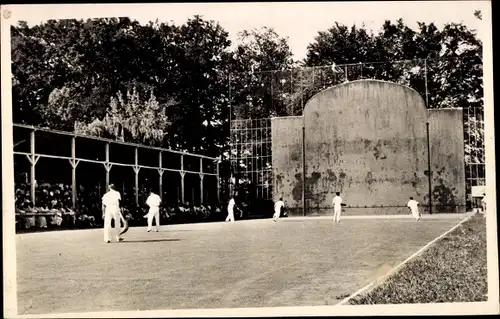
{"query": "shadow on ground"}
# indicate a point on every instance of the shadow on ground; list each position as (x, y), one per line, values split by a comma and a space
(149, 240)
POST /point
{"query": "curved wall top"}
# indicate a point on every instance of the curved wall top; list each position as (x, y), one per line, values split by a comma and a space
(367, 139)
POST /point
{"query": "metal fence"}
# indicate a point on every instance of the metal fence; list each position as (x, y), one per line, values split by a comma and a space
(255, 97)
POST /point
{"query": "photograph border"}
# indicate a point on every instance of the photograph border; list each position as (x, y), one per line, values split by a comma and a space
(11, 14)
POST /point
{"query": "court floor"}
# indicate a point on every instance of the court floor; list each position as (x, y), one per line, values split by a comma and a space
(254, 263)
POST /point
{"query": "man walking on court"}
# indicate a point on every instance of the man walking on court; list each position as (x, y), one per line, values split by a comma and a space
(230, 210)
(337, 207)
(413, 207)
(153, 202)
(278, 206)
(111, 210)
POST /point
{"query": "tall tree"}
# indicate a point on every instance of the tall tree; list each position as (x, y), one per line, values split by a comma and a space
(261, 73)
(340, 44)
(202, 52)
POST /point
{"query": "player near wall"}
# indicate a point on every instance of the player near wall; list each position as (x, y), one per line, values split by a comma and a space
(153, 201)
(111, 210)
(337, 207)
(483, 203)
(230, 210)
(278, 206)
(413, 207)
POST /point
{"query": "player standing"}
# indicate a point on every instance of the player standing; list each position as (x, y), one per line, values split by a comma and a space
(337, 207)
(277, 209)
(153, 202)
(111, 210)
(230, 210)
(483, 204)
(413, 207)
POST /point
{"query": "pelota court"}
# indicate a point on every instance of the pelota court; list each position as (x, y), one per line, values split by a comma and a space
(253, 263)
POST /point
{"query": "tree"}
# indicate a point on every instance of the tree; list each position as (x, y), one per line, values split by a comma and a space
(202, 55)
(259, 78)
(341, 44)
(131, 118)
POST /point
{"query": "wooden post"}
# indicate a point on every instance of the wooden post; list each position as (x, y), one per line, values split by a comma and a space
(136, 171)
(304, 206)
(107, 167)
(33, 161)
(218, 184)
(429, 167)
(182, 179)
(160, 172)
(74, 164)
(201, 180)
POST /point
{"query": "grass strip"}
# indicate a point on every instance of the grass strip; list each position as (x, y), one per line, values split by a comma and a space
(454, 269)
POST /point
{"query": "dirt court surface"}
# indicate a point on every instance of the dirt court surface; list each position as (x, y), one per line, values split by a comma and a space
(254, 263)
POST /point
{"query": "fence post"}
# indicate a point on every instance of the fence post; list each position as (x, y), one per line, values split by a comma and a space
(304, 206)
(33, 161)
(74, 164)
(182, 179)
(136, 171)
(429, 167)
(201, 180)
(160, 172)
(107, 167)
(218, 184)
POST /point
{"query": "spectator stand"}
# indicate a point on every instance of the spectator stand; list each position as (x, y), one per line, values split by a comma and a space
(46, 190)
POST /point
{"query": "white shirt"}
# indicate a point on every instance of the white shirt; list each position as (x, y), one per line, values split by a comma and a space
(413, 204)
(278, 205)
(111, 198)
(153, 200)
(337, 201)
(231, 204)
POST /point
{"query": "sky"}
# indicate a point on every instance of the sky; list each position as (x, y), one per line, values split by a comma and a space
(299, 21)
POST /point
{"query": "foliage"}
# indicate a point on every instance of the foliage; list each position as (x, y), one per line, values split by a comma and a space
(251, 93)
(130, 119)
(65, 72)
(452, 270)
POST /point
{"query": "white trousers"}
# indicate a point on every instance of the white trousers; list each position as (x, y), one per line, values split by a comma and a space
(111, 212)
(277, 214)
(230, 215)
(415, 213)
(154, 212)
(336, 214)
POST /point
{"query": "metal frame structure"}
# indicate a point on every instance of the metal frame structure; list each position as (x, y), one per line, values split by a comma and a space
(475, 170)
(272, 88)
(33, 158)
(251, 143)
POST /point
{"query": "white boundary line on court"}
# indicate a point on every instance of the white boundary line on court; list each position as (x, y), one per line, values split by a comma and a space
(379, 281)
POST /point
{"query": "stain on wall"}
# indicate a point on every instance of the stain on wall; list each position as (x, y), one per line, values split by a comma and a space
(372, 136)
(287, 159)
(368, 140)
(447, 159)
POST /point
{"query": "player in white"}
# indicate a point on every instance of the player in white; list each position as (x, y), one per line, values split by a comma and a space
(277, 209)
(153, 202)
(230, 210)
(337, 207)
(483, 204)
(413, 207)
(111, 210)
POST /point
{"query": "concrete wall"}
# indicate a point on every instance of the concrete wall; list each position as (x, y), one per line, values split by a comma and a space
(287, 160)
(366, 139)
(447, 160)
